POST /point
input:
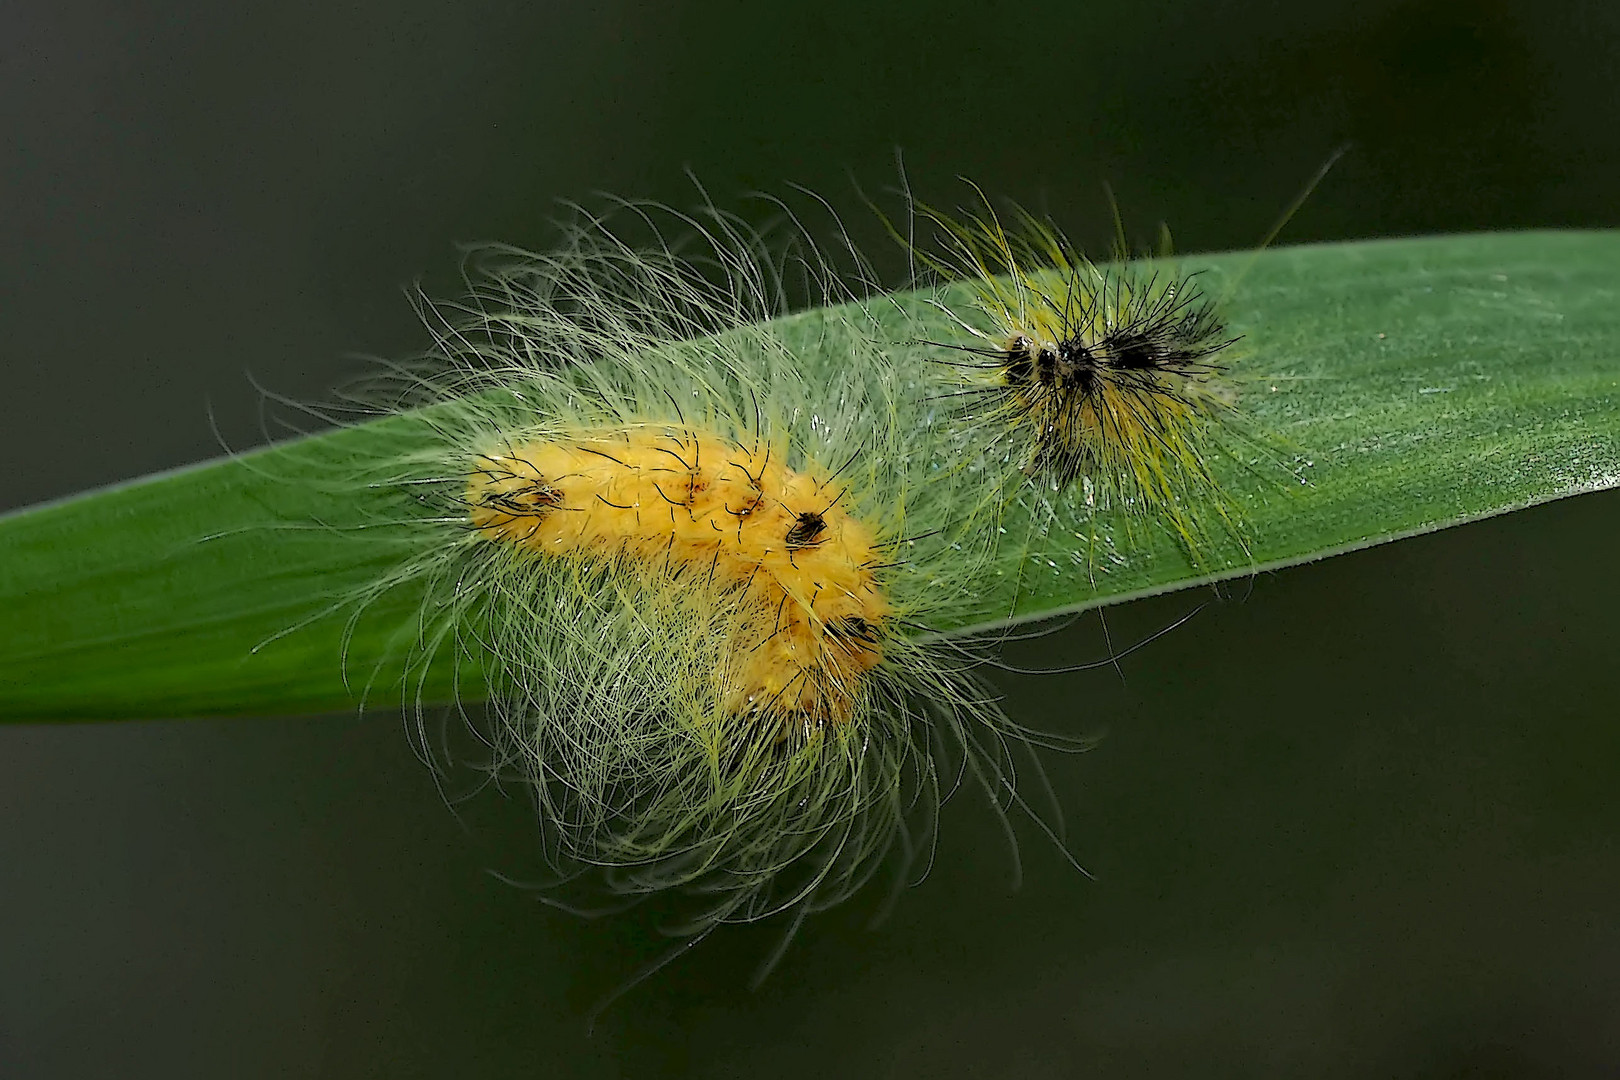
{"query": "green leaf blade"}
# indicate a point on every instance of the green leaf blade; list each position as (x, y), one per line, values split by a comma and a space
(1427, 382)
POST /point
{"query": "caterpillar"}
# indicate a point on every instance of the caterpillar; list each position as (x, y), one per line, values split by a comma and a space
(810, 606)
(701, 576)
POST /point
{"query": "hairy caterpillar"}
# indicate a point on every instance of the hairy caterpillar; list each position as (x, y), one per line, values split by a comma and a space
(809, 604)
(701, 581)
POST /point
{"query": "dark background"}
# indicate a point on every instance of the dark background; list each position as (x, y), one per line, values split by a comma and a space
(1360, 820)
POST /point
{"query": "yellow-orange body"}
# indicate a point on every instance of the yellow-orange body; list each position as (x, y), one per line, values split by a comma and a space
(700, 514)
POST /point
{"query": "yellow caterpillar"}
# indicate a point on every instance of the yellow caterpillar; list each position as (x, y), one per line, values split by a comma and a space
(703, 581)
(724, 520)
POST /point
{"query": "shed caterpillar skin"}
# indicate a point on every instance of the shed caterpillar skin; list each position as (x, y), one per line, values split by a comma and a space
(699, 581)
(1110, 377)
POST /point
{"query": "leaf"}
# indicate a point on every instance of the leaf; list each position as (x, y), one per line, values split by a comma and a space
(1424, 383)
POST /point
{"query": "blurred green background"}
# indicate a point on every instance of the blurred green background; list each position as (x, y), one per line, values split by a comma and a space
(1354, 819)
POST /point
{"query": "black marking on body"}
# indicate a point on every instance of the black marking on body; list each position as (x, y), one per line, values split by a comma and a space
(856, 629)
(806, 530)
(535, 500)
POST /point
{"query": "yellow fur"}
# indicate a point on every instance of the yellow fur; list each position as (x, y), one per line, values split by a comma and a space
(725, 517)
